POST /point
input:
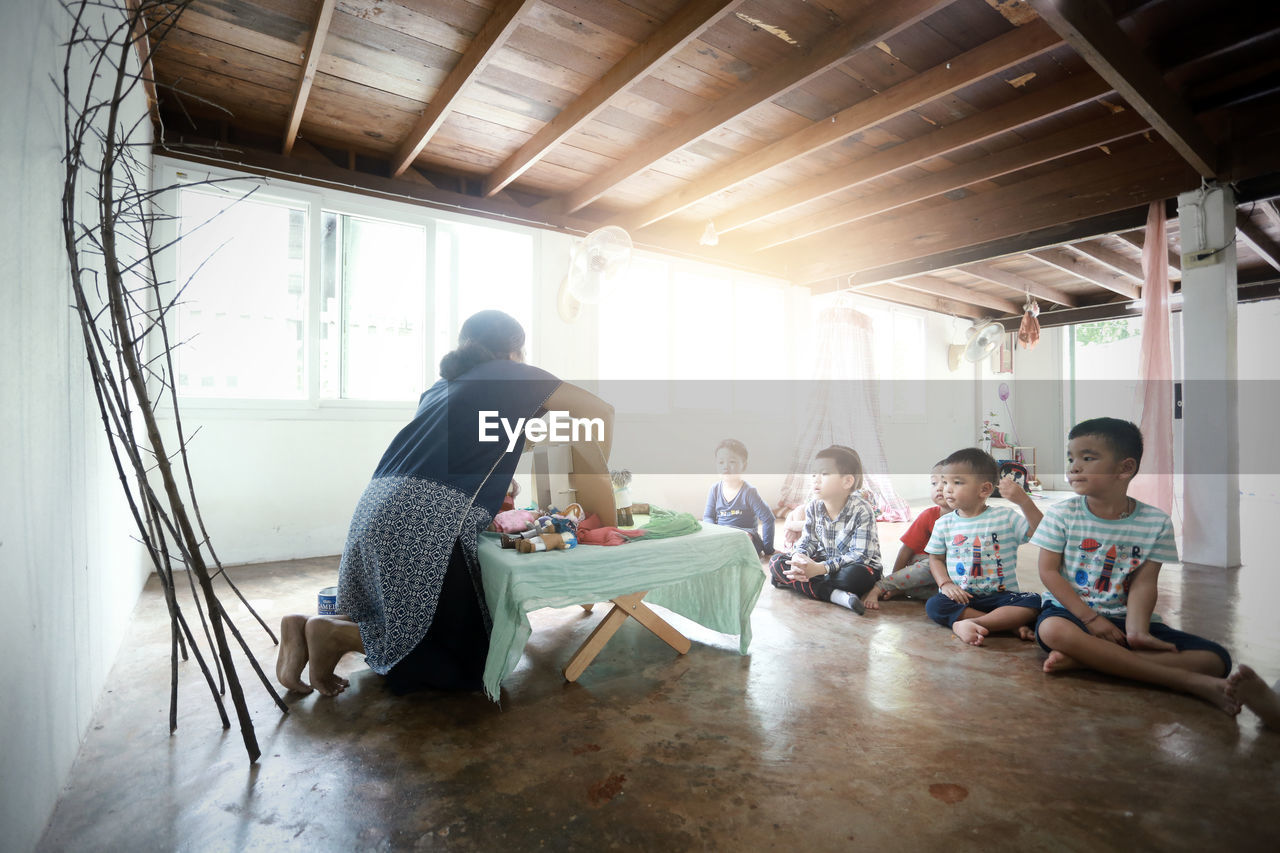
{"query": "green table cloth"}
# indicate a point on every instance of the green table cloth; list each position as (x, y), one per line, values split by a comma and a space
(712, 577)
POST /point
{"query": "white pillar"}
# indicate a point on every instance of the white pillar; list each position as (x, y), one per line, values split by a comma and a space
(1211, 448)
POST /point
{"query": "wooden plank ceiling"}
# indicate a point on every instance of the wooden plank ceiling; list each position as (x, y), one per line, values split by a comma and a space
(959, 155)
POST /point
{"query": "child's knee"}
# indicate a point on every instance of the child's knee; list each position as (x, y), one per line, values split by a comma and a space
(939, 608)
(1055, 631)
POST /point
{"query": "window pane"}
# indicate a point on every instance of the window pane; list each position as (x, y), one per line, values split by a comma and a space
(704, 334)
(243, 314)
(493, 269)
(634, 325)
(382, 268)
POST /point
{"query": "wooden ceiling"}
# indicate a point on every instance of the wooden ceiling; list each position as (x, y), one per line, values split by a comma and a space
(952, 154)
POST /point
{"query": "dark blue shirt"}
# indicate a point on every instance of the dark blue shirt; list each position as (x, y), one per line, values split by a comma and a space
(746, 510)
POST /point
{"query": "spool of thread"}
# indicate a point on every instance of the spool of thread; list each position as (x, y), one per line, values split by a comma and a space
(327, 601)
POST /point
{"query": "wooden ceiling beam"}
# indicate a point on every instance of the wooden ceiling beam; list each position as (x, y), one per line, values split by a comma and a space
(1134, 175)
(1269, 210)
(1137, 239)
(487, 42)
(959, 293)
(989, 250)
(1087, 25)
(311, 59)
(981, 62)
(917, 299)
(1087, 270)
(881, 21)
(1061, 144)
(686, 25)
(984, 125)
(1257, 239)
(1020, 283)
(1111, 258)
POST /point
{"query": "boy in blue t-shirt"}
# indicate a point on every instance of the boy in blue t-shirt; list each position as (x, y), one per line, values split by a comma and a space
(1100, 558)
(973, 552)
(733, 502)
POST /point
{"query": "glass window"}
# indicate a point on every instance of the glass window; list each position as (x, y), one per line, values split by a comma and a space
(487, 268)
(374, 313)
(702, 317)
(242, 315)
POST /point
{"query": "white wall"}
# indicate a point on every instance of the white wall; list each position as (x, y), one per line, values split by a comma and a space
(68, 569)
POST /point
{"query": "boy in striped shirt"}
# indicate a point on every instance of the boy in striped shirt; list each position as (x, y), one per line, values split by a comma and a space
(973, 552)
(1100, 558)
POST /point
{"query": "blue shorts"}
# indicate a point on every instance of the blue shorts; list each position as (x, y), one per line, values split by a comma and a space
(946, 612)
(1182, 641)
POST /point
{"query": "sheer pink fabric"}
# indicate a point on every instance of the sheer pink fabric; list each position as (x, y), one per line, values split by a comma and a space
(1154, 483)
(844, 412)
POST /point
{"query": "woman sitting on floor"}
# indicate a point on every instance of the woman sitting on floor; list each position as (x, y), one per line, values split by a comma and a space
(409, 582)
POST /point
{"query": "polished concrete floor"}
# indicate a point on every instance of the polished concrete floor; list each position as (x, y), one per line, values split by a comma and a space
(836, 732)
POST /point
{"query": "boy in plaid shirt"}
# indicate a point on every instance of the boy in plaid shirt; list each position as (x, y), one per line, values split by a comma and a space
(837, 558)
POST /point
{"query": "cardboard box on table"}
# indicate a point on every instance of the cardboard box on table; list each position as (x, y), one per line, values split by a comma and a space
(573, 473)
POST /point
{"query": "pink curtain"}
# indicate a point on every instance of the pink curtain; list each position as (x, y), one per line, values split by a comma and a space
(1154, 483)
(844, 412)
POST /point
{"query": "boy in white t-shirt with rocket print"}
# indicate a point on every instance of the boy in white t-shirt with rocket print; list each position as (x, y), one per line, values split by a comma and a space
(973, 552)
(1100, 558)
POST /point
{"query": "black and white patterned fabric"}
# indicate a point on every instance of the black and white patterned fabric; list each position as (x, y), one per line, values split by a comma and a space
(395, 559)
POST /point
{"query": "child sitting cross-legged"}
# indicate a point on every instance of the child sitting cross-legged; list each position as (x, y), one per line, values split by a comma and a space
(911, 577)
(974, 552)
(837, 558)
(733, 502)
(1100, 558)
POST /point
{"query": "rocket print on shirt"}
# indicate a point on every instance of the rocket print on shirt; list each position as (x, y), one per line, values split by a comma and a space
(976, 563)
(1109, 563)
(1101, 575)
(995, 547)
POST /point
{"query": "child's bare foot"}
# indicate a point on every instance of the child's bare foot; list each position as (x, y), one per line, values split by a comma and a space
(1059, 662)
(1215, 691)
(1026, 633)
(872, 599)
(292, 656)
(1251, 691)
(325, 643)
(969, 631)
(1149, 643)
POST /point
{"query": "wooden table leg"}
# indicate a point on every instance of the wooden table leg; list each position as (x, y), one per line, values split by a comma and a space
(624, 606)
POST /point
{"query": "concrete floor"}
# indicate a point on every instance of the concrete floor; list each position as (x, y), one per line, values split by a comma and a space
(837, 732)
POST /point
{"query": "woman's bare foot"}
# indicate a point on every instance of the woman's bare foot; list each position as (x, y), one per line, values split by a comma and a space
(872, 599)
(1059, 662)
(292, 656)
(328, 639)
(1251, 691)
(1026, 633)
(969, 631)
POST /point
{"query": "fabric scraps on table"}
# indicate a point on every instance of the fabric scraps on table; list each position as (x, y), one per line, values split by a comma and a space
(592, 531)
(664, 524)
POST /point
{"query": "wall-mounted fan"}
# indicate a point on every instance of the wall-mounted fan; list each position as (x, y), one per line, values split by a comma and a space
(982, 340)
(599, 264)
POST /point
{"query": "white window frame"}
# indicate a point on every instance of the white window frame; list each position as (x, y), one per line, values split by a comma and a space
(318, 200)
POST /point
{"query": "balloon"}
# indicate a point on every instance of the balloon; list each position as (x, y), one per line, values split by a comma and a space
(1004, 390)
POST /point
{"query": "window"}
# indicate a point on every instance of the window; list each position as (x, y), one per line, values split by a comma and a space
(374, 308)
(484, 267)
(898, 344)
(243, 310)
(310, 297)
